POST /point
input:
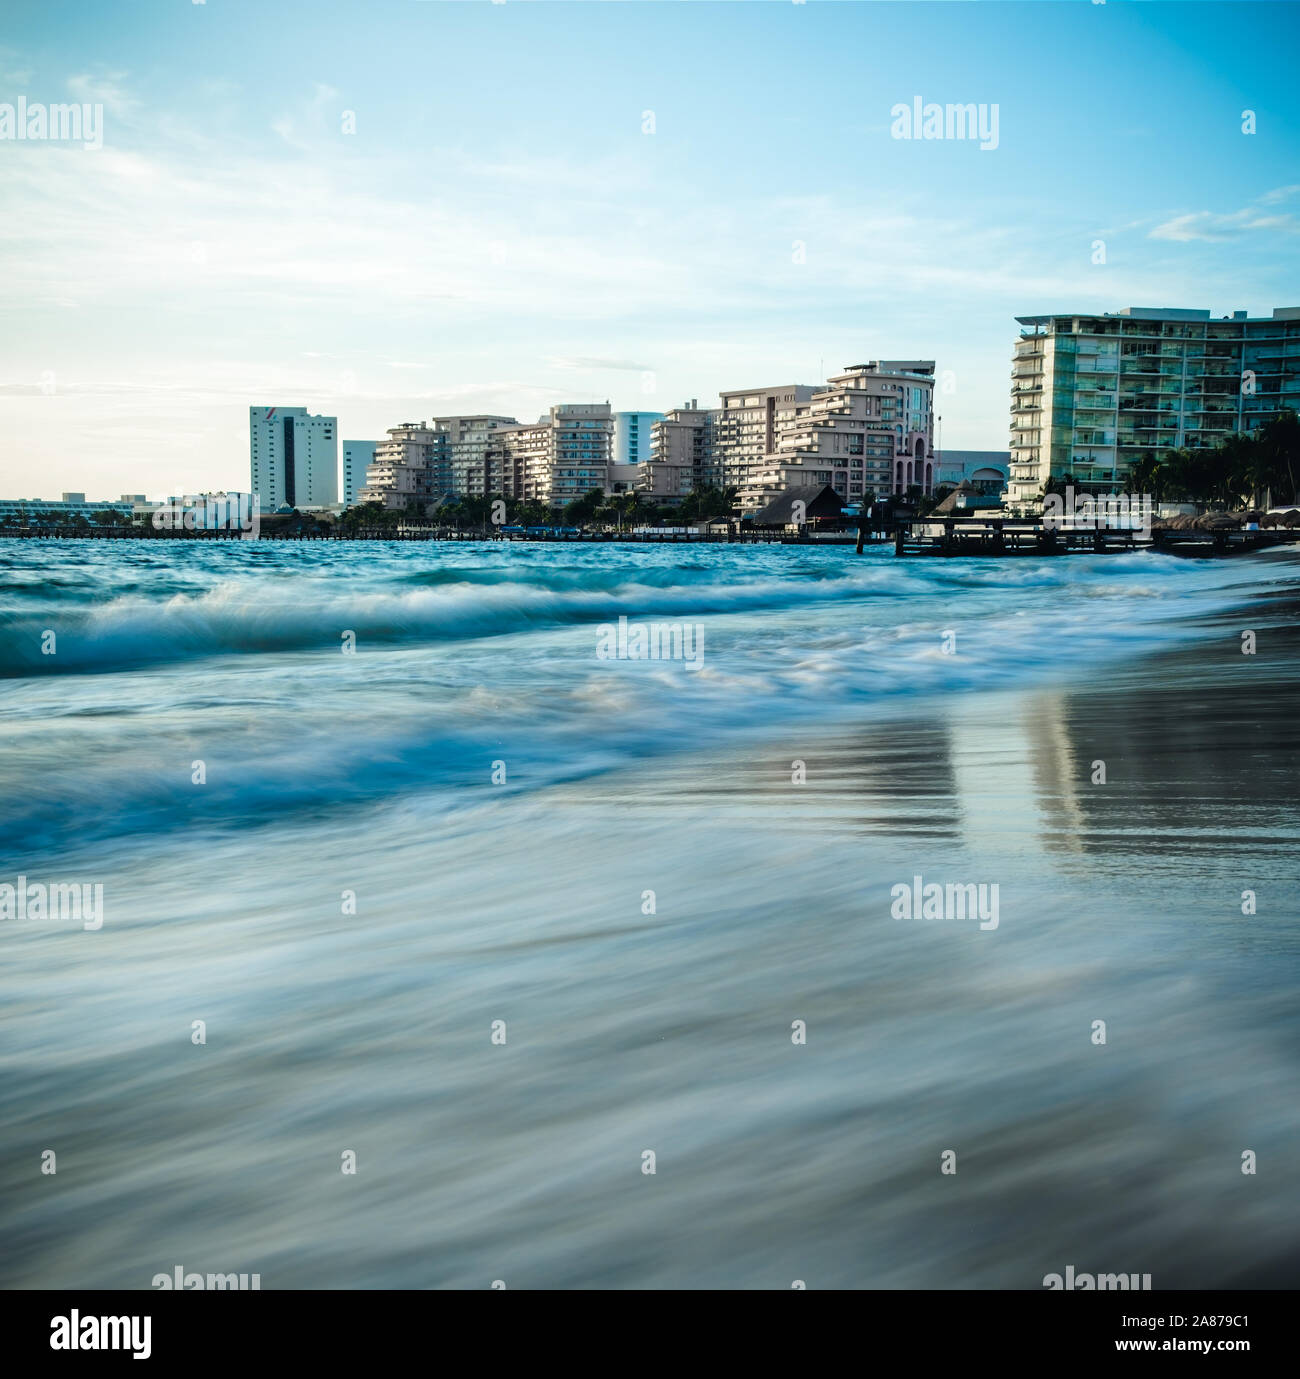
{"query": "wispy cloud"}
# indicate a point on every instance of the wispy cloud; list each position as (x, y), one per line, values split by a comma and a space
(1216, 227)
(595, 362)
(108, 89)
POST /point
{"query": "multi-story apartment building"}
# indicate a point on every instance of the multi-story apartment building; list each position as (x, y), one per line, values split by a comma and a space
(632, 432)
(868, 433)
(423, 461)
(358, 456)
(682, 454)
(293, 458)
(469, 439)
(559, 458)
(1092, 393)
(748, 425)
(409, 468)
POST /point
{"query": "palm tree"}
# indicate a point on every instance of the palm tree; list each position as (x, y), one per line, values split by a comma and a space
(1145, 475)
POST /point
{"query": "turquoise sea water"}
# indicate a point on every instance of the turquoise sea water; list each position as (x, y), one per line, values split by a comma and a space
(649, 871)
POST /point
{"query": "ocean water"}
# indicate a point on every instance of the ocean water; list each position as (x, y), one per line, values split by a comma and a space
(357, 807)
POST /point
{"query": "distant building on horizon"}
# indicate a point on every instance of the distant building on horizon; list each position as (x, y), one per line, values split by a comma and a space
(422, 462)
(1091, 393)
(358, 456)
(632, 431)
(985, 471)
(293, 458)
(35, 512)
(865, 433)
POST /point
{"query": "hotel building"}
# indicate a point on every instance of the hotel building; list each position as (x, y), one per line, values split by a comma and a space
(407, 467)
(557, 459)
(682, 451)
(868, 432)
(469, 439)
(421, 462)
(1091, 393)
(293, 458)
(748, 425)
(632, 432)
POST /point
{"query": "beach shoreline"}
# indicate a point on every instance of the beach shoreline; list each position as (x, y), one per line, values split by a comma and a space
(668, 1024)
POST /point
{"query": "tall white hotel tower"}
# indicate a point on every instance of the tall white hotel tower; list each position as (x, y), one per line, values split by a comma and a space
(294, 458)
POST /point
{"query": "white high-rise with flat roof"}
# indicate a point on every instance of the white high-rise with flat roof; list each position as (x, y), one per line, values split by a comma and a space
(293, 458)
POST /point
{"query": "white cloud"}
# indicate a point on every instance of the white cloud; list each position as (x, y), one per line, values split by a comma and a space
(107, 89)
(1214, 227)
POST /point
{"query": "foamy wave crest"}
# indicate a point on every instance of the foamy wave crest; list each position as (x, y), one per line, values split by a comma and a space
(240, 618)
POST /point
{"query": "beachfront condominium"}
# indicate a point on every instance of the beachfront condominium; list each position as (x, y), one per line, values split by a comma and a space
(358, 456)
(632, 432)
(469, 439)
(409, 469)
(747, 427)
(293, 458)
(561, 456)
(1092, 393)
(867, 432)
(422, 462)
(682, 454)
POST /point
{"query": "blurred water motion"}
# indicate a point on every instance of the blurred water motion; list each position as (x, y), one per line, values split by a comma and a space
(628, 1030)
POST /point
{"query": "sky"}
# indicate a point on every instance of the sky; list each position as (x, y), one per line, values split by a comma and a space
(397, 209)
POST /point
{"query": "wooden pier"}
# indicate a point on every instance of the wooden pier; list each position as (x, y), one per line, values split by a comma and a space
(1005, 536)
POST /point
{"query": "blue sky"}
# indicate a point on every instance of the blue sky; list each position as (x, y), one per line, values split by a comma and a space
(499, 233)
